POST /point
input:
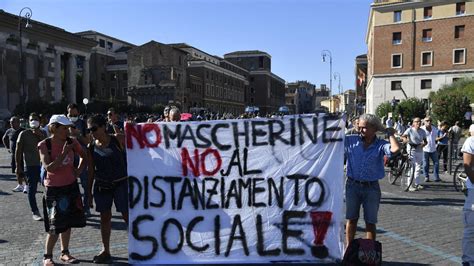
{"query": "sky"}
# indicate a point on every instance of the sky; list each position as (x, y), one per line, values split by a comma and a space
(293, 32)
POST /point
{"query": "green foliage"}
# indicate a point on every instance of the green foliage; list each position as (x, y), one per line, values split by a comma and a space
(383, 109)
(452, 101)
(408, 109)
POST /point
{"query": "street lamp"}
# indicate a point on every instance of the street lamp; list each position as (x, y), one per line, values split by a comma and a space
(26, 16)
(324, 54)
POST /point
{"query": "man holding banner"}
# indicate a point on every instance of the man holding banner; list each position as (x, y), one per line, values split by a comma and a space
(365, 166)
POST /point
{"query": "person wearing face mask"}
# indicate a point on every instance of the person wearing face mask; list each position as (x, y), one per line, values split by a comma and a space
(27, 148)
(78, 131)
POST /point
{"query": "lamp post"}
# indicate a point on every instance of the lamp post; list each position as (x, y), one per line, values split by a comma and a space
(26, 16)
(324, 54)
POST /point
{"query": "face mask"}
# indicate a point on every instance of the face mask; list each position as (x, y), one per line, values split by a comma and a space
(34, 124)
(73, 118)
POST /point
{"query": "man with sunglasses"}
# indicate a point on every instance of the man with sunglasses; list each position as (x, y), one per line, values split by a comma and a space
(416, 139)
(78, 131)
(430, 151)
(114, 125)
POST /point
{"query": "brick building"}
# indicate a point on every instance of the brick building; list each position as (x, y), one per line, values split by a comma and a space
(108, 64)
(300, 97)
(415, 48)
(156, 75)
(213, 83)
(55, 63)
(266, 90)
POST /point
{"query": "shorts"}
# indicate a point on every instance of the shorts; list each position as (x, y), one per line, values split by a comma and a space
(367, 195)
(119, 196)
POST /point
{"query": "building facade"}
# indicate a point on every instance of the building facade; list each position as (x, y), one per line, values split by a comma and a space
(54, 65)
(415, 48)
(300, 97)
(266, 90)
(156, 75)
(108, 62)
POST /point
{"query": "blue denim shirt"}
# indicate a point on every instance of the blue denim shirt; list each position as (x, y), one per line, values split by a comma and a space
(365, 164)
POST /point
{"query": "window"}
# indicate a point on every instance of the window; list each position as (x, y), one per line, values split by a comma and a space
(428, 12)
(124, 76)
(260, 62)
(102, 43)
(458, 31)
(397, 38)
(426, 84)
(112, 92)
(109, 45)
(396, 85)
(459, 56)
(460, 8)
(397, 60)
(397, 16)
(102, 76)
(252, 90)
(124, 91)
(427, 58)
(113, 76)
(427, 35)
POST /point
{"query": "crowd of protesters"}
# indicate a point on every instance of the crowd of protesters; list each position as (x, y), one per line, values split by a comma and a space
(78, 147)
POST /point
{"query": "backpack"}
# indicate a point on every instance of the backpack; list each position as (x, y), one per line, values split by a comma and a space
(43, 172)
(363, 252)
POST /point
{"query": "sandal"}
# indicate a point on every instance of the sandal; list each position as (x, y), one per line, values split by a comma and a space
(48, 260)
(102, 258)
(67, 258)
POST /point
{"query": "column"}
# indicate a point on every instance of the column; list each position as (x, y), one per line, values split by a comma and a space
(58, 93)
(71, 78)
(85, 79)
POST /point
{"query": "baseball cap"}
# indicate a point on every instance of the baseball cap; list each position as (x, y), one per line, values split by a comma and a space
(471, 128)
(60, 119)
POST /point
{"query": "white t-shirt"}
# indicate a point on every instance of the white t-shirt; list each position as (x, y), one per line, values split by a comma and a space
(430, 138)
(468, 147)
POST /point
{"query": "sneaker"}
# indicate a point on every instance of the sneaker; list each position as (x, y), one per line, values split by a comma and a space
(25, 189)
(427, 179)
(413, 189)
(419, 187)
(18, 188)
(37, 216)
(438, 180)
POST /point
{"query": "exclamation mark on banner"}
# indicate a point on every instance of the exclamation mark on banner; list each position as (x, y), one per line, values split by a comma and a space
(321, 222)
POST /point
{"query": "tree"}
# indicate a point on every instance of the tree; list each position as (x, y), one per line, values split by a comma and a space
(407, 109)
(452, 101)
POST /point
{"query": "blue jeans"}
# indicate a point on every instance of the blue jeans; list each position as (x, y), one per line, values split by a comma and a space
(33, 177)
(426, 164)
(367, 195)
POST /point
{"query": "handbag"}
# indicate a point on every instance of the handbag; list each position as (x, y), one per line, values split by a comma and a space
(363, 252)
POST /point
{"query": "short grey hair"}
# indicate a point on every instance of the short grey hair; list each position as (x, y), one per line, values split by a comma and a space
(373, 121)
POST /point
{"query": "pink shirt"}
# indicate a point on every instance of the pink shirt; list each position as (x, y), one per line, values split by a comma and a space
(64, 174)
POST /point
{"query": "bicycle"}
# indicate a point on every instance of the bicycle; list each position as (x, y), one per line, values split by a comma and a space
(403, 169)
(460, 179)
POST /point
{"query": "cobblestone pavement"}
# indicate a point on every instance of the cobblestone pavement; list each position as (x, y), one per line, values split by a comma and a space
(415, 228)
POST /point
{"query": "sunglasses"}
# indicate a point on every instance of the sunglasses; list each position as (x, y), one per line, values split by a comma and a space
(92, 129)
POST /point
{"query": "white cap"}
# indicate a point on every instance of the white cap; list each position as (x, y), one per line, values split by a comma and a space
(471, 128)
(60, 119)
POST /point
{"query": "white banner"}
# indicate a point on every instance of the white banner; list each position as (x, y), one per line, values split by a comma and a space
(236, 191)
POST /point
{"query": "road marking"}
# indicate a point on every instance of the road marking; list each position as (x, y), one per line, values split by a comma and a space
(440, 203)
(424, 247)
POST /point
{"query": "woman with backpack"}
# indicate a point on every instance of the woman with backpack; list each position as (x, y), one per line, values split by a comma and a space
(62, 203)
(108, 180)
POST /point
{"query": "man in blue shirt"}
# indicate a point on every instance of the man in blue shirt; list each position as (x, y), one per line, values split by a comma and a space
(365, 166)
